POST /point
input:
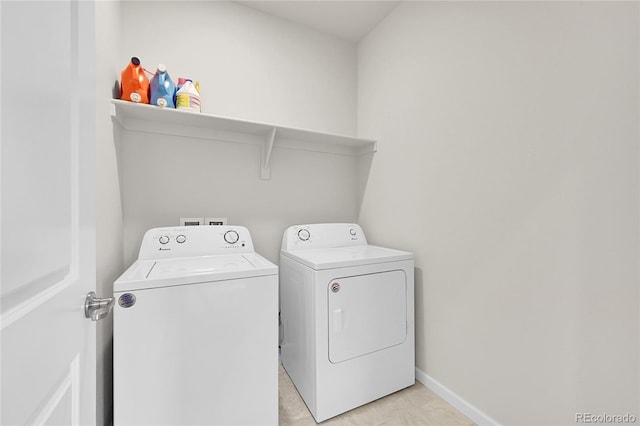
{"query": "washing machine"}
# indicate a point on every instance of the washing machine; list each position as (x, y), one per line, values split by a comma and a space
(195, 339)
(347, 317)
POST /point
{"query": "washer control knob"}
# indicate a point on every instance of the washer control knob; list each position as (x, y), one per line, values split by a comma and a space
(231, 237)
(164, 239)
(352, 232)
(304, 235)
(181, 239)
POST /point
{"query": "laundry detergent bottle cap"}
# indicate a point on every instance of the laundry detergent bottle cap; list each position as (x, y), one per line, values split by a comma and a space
(134, 84)
(162, 88)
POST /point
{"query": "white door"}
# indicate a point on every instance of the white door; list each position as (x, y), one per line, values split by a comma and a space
(47, 122)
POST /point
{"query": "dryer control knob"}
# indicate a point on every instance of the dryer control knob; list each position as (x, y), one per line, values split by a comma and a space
(181, 239)
(304, 234)
(352, 232)
(164, 239)
(231, 237)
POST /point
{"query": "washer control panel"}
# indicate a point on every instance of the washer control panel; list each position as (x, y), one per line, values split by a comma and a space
(323, 235)
(188, 241)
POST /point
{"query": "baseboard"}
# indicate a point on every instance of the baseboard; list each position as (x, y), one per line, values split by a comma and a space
(472, 412)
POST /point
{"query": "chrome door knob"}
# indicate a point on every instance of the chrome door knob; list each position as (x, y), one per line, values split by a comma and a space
(97, 308)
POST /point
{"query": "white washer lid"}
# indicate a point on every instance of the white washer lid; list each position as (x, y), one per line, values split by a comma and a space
(342, 257)
(146, 274)
(172, 268)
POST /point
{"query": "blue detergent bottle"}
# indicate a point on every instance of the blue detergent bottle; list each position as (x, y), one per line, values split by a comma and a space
(162, 88)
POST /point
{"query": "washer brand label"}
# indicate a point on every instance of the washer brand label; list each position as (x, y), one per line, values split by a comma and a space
(127, 300)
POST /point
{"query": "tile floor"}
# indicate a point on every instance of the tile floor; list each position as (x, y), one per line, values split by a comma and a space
(414, 406)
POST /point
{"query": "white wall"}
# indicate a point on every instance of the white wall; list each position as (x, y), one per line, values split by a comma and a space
(250, 66)
(508, 162)
(211, 178)
(109, 249)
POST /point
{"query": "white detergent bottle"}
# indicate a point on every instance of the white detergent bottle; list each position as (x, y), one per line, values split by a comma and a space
(188, 97)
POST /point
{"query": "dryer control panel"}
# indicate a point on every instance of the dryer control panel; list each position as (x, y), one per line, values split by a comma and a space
(323, 235)
(189, 241)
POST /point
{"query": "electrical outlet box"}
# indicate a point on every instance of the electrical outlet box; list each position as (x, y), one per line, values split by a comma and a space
(215, 220)
(191, 221)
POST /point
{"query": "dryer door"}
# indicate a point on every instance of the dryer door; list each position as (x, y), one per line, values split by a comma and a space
(367, 313)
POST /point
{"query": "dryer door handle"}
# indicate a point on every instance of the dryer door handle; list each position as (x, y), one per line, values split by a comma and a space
(337, 320)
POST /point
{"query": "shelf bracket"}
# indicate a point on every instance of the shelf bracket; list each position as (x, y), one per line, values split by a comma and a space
(266, 148)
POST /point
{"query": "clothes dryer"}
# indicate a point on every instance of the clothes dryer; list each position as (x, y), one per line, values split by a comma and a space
(347, 317)
(196, 331)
